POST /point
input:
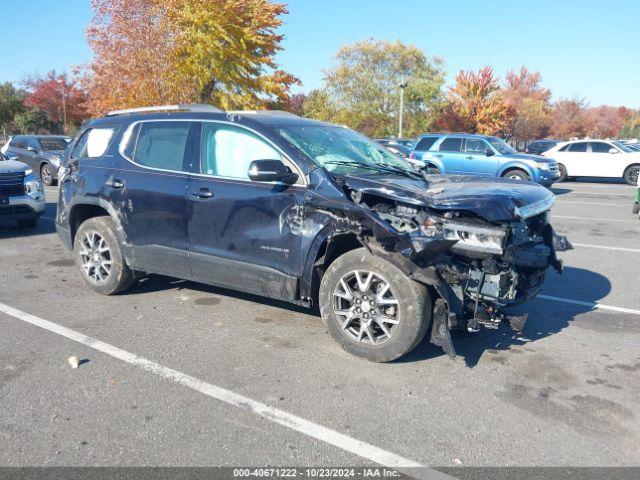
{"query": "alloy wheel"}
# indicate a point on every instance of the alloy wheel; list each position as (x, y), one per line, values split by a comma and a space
(46, 175)
(366, 307)
(95, 257)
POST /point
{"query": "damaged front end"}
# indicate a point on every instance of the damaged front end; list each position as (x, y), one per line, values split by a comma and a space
(478, 267)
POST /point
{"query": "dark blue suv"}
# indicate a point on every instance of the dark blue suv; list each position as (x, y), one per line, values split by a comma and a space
(481, 155)
(303, 211)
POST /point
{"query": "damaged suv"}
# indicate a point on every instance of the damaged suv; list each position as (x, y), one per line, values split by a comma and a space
(303, 211)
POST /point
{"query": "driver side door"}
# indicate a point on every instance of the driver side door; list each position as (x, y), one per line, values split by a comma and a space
(243, 234)
(477, 162)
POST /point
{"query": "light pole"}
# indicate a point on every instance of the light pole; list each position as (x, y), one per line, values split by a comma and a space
(64, 106)
(402, 86)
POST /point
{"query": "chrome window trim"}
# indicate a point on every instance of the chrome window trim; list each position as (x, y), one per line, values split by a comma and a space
(127, 134)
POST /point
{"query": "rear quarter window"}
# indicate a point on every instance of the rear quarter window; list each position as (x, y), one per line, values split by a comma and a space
(425, 143)
(451, 144)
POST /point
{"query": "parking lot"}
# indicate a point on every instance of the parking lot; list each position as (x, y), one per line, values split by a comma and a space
(223, 378)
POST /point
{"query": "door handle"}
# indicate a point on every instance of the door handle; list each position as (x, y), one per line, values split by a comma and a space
(469, 157)
(202, 193)
(438, 155)
(114, 183)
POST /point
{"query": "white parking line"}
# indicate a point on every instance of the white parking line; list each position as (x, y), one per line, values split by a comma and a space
(597, 305)
(299, 424)
(594, 219)
(630, 194)
(560, 202)
(603, 247)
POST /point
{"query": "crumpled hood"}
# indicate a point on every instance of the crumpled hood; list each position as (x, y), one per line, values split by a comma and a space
(11, 166)
(494, 199)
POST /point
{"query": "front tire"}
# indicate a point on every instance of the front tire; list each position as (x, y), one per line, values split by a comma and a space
(516, 175)
(631, 174)
(563, 173)
(46, 174)
(99, 257)
(371, 308)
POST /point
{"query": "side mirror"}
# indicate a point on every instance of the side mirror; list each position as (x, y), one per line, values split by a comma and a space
(15, 159)
(271, 171)
(489, 153)
(32, 149)
(613, 151)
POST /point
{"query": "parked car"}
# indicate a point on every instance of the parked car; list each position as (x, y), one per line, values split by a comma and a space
(481, 155)
(596, 158)
(539, 146)
(407, 142)
(303, 211)
(41, 152)
(21, 194)
(401, 150)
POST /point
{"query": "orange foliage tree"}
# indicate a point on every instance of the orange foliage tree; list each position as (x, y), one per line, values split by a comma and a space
(149, 52)
(569, 119)
(529, 105)
(476, 104)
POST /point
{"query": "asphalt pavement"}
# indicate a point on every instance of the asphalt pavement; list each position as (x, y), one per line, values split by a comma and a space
(212, 377)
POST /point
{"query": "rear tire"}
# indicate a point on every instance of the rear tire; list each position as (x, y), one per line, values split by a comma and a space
(563, 173)
(430, 169)
(516, 175)
(387, 314)
(98, 256)
(631, 174)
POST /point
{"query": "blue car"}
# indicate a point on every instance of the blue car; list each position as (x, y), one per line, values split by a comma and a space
(462, 153)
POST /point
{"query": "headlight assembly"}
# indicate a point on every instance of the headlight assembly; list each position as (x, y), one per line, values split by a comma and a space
(542, 165)
(33, 187)
(470, 238)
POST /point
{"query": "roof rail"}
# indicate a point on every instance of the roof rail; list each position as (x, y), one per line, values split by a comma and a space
(262, 112)
(186, 107)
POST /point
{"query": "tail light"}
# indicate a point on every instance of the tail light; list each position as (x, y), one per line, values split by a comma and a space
(412, 156)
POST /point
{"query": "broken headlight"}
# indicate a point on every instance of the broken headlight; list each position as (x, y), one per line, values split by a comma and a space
(468, 237)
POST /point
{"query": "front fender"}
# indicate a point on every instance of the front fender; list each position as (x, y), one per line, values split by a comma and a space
(517, 165)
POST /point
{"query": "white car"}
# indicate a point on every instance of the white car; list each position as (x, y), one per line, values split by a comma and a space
(596, 158)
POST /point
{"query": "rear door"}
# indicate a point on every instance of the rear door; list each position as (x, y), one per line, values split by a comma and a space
(476, 160)
(243, 234)
(451, 154)
(575, 157)
(148, 188)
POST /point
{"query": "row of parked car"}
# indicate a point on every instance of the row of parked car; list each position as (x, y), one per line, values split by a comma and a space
(547, 162)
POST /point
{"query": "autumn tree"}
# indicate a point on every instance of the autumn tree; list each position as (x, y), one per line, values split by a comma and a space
(362, 89)
(59, 97)
(528, 100)
(476, 104)
(149, 52)
(569, 119)
(606, 121)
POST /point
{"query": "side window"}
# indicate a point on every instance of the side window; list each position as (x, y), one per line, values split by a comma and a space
(600, 147)
(162, 145)
(476, 145)
(15, 142)
(93, 143)
(425, 143)
(578, 147)
(451, 144)
(34, 143)
(227, 151)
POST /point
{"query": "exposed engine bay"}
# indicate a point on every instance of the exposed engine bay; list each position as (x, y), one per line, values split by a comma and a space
(481, 266)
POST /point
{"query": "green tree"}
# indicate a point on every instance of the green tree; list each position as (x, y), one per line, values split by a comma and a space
(33, 121)
(631, 129)
(11, 100)
(362, 89)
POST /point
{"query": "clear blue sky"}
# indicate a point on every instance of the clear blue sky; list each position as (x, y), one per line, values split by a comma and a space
(584, 48)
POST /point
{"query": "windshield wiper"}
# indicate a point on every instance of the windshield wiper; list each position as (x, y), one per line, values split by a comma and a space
(385, 167)
(348, 163)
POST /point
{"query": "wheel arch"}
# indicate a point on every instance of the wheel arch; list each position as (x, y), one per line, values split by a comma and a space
(83, 209)
(516, 166)
(326, 247)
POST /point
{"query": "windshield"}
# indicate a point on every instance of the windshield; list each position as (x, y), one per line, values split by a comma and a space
(623, 147)
(500, 145)
(53, 143)
(343, 151)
